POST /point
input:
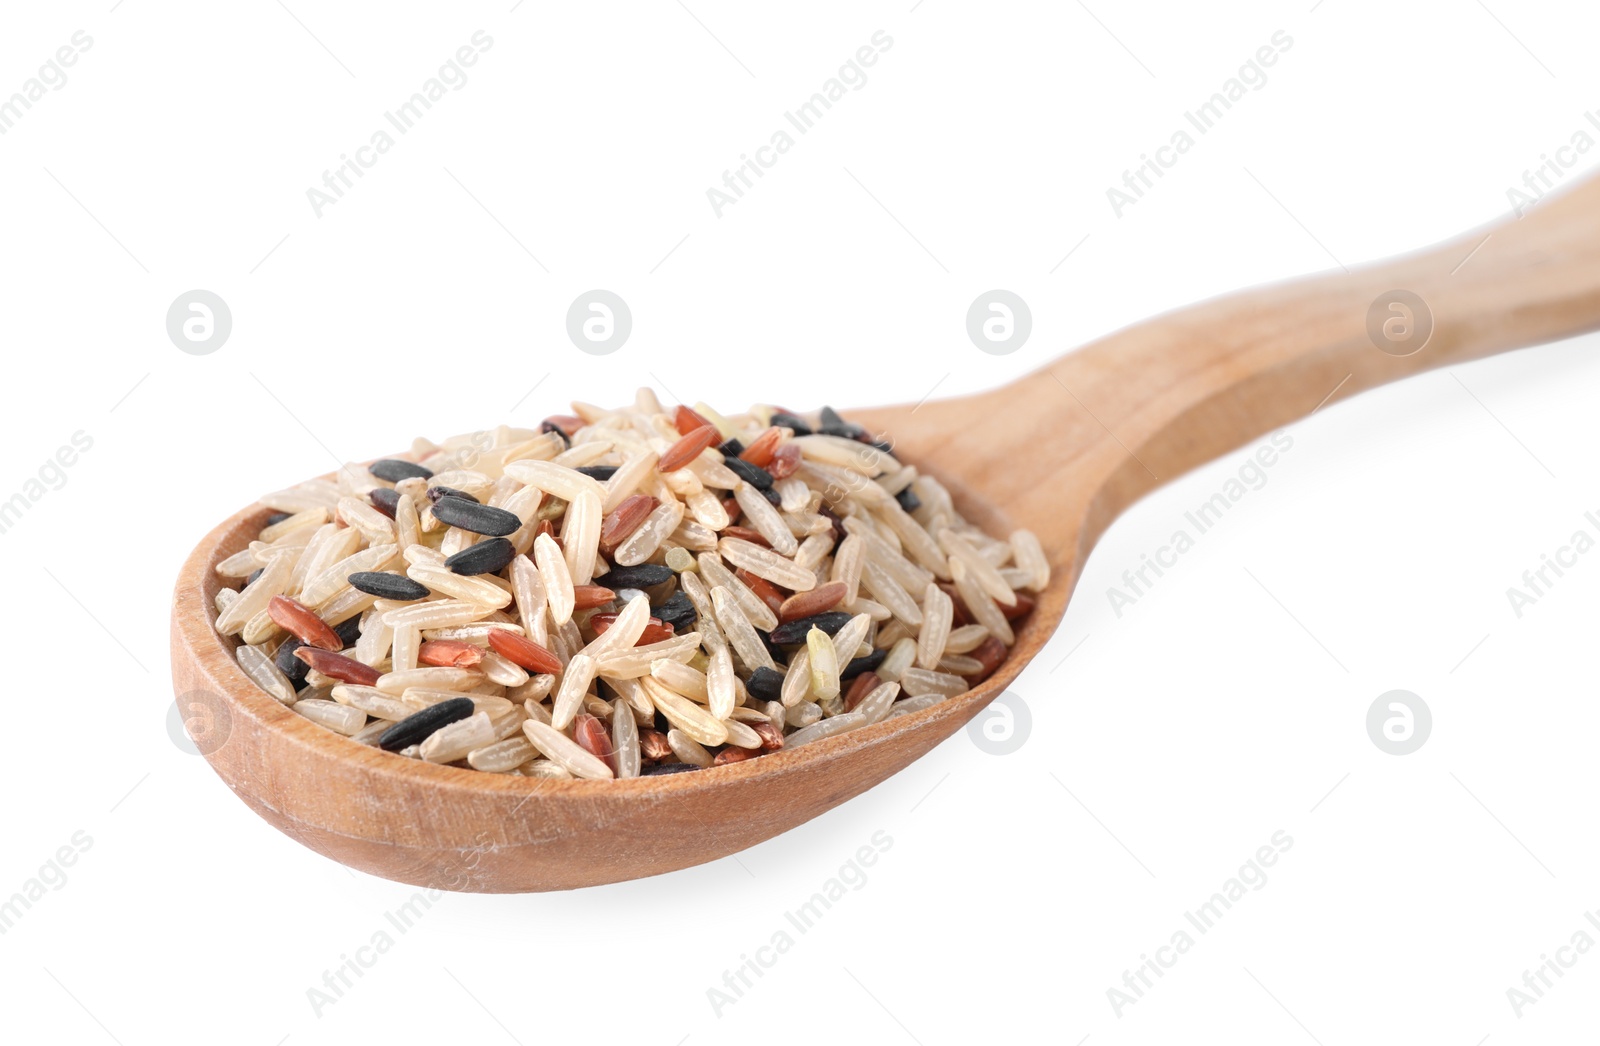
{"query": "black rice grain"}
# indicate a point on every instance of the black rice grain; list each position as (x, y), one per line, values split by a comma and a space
(666, 768)
(387, 586)
(393, 470)
(549, 425)
(348, 632)
(677, 611)
(785, 420)
(759, 478)
(415, 729)
(290, 665)
(858, 665)
(908, 500)
(838, 524)
(731, 449)
(830, 424)
(772, 496)
(791, 632)
(276, 517)
(252, 578)
(485, 557)
(480, 519)
(642, 576)
(385, 500)
(765, 684)
(435, 493)
(598, 472)
(774, 651)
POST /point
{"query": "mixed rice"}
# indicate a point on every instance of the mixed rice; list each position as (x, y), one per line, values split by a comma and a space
(623, 593)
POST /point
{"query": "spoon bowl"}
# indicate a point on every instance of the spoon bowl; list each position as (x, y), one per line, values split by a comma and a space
(1062, 452)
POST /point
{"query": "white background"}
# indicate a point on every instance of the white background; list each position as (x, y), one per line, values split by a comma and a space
(1225, 706)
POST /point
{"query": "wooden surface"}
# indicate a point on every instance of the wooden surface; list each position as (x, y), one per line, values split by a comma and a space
(1062, 451)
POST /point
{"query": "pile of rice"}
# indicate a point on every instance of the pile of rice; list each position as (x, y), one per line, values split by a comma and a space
(623, 593)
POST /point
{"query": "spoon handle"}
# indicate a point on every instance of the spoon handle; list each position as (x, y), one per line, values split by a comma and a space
(1173, 393)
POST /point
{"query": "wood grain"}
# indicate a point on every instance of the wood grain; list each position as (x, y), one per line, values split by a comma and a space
(1063, 451)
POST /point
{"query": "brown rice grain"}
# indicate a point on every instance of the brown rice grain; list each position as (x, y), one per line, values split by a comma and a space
(580, 536)
(503, 756)
(767, 564)
(960, 665)
(741, 634)
(803, 714)
(439, 613)
(764, 519)
(377, 528)
(937, 612)
(717, 575)
(845, 453)
(557, 580)
(913, 704)
(875, 706)
(625, 630)
(981, 570)
(829, 727)
(528, 589)
(707, 510)
(446, 582)
(886, 590)
(965, 639)
(721, 692)
(311, 517)
(329, 582)
(662, 522)
(255, 596)
(265, 674)
(824, 665)
(452, 742)
(575, 682)
(683, 679)
(372, 701)
(685, 714)
(538, 687)
(635, 663)
(847, 563)
(501, 670)
(558, 480)
(742, 735)
(814, 551)
(687, 749)
(625, 739)
(625, 481)
(919, 681)
(796, 679)
(398, 682)
(979, 603)
(339, 718)
(900, 657)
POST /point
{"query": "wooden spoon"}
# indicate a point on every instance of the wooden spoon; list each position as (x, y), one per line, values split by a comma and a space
(1062, 451)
